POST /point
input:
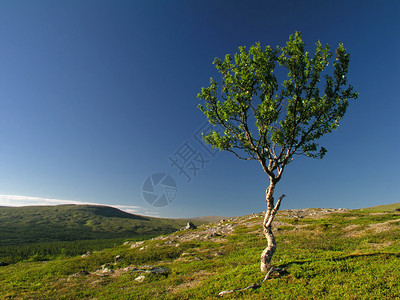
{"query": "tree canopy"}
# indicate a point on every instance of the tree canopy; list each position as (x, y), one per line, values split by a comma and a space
(277, 102)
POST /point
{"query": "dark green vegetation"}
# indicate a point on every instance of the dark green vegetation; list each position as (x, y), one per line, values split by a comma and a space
(327, 255)
(52, 250)
(32, 224)
(46, 232)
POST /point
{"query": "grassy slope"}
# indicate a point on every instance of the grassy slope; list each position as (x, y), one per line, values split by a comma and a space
(383, 208)
(22, 225)
(346, 255)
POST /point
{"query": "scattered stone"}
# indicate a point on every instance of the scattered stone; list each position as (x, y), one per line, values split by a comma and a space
(80, 273)
(147, 267)
(197, 259)
(150, 269)
(117, 258)
(159, 270)
(140, 278)
(169, 242)
(106, 271)
(213, 235)
(137, 244)
(86, 254)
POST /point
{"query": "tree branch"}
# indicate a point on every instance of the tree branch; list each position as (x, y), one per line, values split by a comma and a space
(238, 156)
(273, 212)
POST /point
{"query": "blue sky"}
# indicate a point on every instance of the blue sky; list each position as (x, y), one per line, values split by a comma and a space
(95, 96)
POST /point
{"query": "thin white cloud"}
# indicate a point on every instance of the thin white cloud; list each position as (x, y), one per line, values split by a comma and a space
(18, 200)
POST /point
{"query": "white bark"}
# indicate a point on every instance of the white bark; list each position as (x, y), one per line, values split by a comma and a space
(272, 209)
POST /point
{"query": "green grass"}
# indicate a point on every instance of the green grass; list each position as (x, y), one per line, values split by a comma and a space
(353, 255)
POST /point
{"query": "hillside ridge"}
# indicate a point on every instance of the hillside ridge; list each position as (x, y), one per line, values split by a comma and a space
(31, 224)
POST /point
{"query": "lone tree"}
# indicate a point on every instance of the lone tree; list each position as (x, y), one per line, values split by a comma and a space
(271, 121)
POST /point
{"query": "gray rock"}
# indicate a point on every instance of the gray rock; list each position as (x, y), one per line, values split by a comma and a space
(150, 269)
(137, 244)
(190, 225)
(106, 270)
(213, 235)
(159, 270)
(197, 259)
(86, 254)
(140, 278)
(80, 273)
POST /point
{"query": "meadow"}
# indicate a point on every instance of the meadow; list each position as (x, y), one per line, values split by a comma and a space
(326, 254)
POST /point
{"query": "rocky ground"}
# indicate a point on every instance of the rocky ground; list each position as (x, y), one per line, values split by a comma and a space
(216, 232)
(219, 230)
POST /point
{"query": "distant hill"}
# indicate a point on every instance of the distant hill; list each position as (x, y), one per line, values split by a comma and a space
(31, 224)
(383, 208)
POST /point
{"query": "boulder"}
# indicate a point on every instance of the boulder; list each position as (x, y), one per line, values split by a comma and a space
(190, 225)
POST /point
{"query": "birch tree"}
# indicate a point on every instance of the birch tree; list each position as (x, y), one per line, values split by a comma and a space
(274, 104)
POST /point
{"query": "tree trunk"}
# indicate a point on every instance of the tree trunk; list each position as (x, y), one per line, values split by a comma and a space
(268, 252)
(272, 209)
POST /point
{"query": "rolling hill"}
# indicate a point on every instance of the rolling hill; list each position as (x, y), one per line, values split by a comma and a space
(33, 224)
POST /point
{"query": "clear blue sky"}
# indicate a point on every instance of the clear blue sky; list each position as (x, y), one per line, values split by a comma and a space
(95, 96)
